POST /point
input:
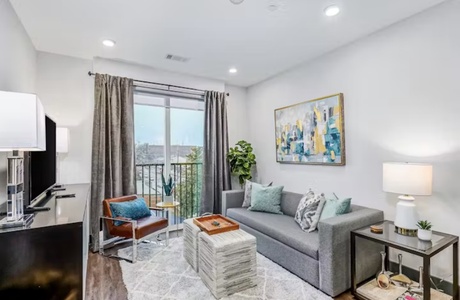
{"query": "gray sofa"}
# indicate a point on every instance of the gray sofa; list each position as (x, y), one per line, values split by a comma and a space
(322, 258)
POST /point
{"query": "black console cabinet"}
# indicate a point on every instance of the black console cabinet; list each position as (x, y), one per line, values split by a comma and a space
(48, 259)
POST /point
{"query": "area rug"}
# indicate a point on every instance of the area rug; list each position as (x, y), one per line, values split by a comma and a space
(162, 273)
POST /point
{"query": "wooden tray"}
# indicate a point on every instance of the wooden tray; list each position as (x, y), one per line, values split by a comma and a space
(225, 224)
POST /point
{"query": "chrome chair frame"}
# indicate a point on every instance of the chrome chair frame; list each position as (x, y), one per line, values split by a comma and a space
(135, 242)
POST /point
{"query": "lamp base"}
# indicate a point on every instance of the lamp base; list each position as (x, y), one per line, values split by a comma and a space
(406, 232)
(406, 216)
(24, 221)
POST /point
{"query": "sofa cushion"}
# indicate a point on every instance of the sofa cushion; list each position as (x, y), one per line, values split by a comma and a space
(279, 227)
(289, 203)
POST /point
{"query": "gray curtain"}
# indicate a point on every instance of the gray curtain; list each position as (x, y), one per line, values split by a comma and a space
(113, 168)
(216, 170)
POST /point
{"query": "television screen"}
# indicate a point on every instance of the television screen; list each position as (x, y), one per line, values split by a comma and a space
(43, 164)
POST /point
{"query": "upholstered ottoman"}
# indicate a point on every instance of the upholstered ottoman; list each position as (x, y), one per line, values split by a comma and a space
(227, 262)
(191, 243)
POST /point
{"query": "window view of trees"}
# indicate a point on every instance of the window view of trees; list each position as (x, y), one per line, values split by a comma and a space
(189, 187)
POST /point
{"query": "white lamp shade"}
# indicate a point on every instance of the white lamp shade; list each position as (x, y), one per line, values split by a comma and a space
(62, 140)
(22, 122)
(407, 178)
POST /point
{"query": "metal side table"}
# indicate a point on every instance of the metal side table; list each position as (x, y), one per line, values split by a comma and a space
(413, 245)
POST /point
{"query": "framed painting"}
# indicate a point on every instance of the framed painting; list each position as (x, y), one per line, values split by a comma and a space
(311, 132)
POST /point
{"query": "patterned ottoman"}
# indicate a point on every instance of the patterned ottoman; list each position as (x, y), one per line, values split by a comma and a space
(191, 243)
(227, 262)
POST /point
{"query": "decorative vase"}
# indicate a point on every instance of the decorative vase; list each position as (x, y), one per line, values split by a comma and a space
(383, 280)
(169, 199)
(424, 235)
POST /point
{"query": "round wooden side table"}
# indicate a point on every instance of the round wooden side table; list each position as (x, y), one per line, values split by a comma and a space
(171, 205)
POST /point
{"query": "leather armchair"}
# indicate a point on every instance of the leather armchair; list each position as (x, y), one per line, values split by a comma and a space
(137, 230)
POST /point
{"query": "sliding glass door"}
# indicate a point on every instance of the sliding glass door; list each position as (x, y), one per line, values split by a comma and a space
(169, 140)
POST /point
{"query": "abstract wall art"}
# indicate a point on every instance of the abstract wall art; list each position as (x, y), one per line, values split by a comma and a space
(311, 132)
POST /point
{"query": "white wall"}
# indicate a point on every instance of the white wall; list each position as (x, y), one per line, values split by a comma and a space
(67, 94)
(401, 88)
(237, 114)
(17, 66)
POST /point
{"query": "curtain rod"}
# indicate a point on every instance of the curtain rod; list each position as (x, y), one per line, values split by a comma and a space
(163, 84)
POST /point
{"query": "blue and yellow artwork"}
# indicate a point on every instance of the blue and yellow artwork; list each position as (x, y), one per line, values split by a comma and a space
(311, 132)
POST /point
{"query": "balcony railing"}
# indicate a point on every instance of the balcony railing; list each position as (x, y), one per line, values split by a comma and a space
(188, 179)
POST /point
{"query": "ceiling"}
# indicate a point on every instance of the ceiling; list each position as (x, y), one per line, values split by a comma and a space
(214, 34)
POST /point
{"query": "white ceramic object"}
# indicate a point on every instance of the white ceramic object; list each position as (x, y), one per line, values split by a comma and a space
(424, 235)
(169, 199)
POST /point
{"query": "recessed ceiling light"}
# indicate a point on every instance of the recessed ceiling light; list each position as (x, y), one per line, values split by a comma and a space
(236, 1)
(232, 70)
(108, 43)
(332, 10)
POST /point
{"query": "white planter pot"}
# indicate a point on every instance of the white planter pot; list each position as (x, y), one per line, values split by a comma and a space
(168, 199)
(424, 235)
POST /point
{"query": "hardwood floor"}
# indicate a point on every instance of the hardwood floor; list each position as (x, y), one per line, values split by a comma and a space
(104, 280)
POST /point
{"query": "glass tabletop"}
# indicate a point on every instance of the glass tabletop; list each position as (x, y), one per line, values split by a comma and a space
(390, 237)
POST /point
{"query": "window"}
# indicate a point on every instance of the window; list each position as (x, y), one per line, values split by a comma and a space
(169, 139)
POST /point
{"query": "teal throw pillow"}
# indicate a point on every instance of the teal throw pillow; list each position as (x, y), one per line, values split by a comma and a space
(135, 210)
(336, 207)
(266, 198)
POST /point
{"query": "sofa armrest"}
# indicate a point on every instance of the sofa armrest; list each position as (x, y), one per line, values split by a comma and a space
(334, 249)
(231, 199)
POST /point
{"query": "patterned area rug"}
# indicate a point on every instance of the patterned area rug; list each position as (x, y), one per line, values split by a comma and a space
(162, 273)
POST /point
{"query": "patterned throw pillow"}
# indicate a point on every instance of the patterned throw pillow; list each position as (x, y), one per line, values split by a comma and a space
(306, 215)
(247, 192)
(266, 199)
(316, 217)
(134, 210)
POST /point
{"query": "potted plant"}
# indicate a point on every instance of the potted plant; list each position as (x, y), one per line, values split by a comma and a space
(168, 188)
(241, 160)
(424, 232)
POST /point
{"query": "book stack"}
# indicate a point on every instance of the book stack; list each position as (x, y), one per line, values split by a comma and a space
(227, 262)
(191, 244)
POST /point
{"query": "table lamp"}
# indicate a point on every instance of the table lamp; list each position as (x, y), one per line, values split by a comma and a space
(408, 180)
(22, 128)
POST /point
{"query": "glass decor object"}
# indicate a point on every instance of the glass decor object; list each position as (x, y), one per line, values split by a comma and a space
(383, 280)
(400, 279)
